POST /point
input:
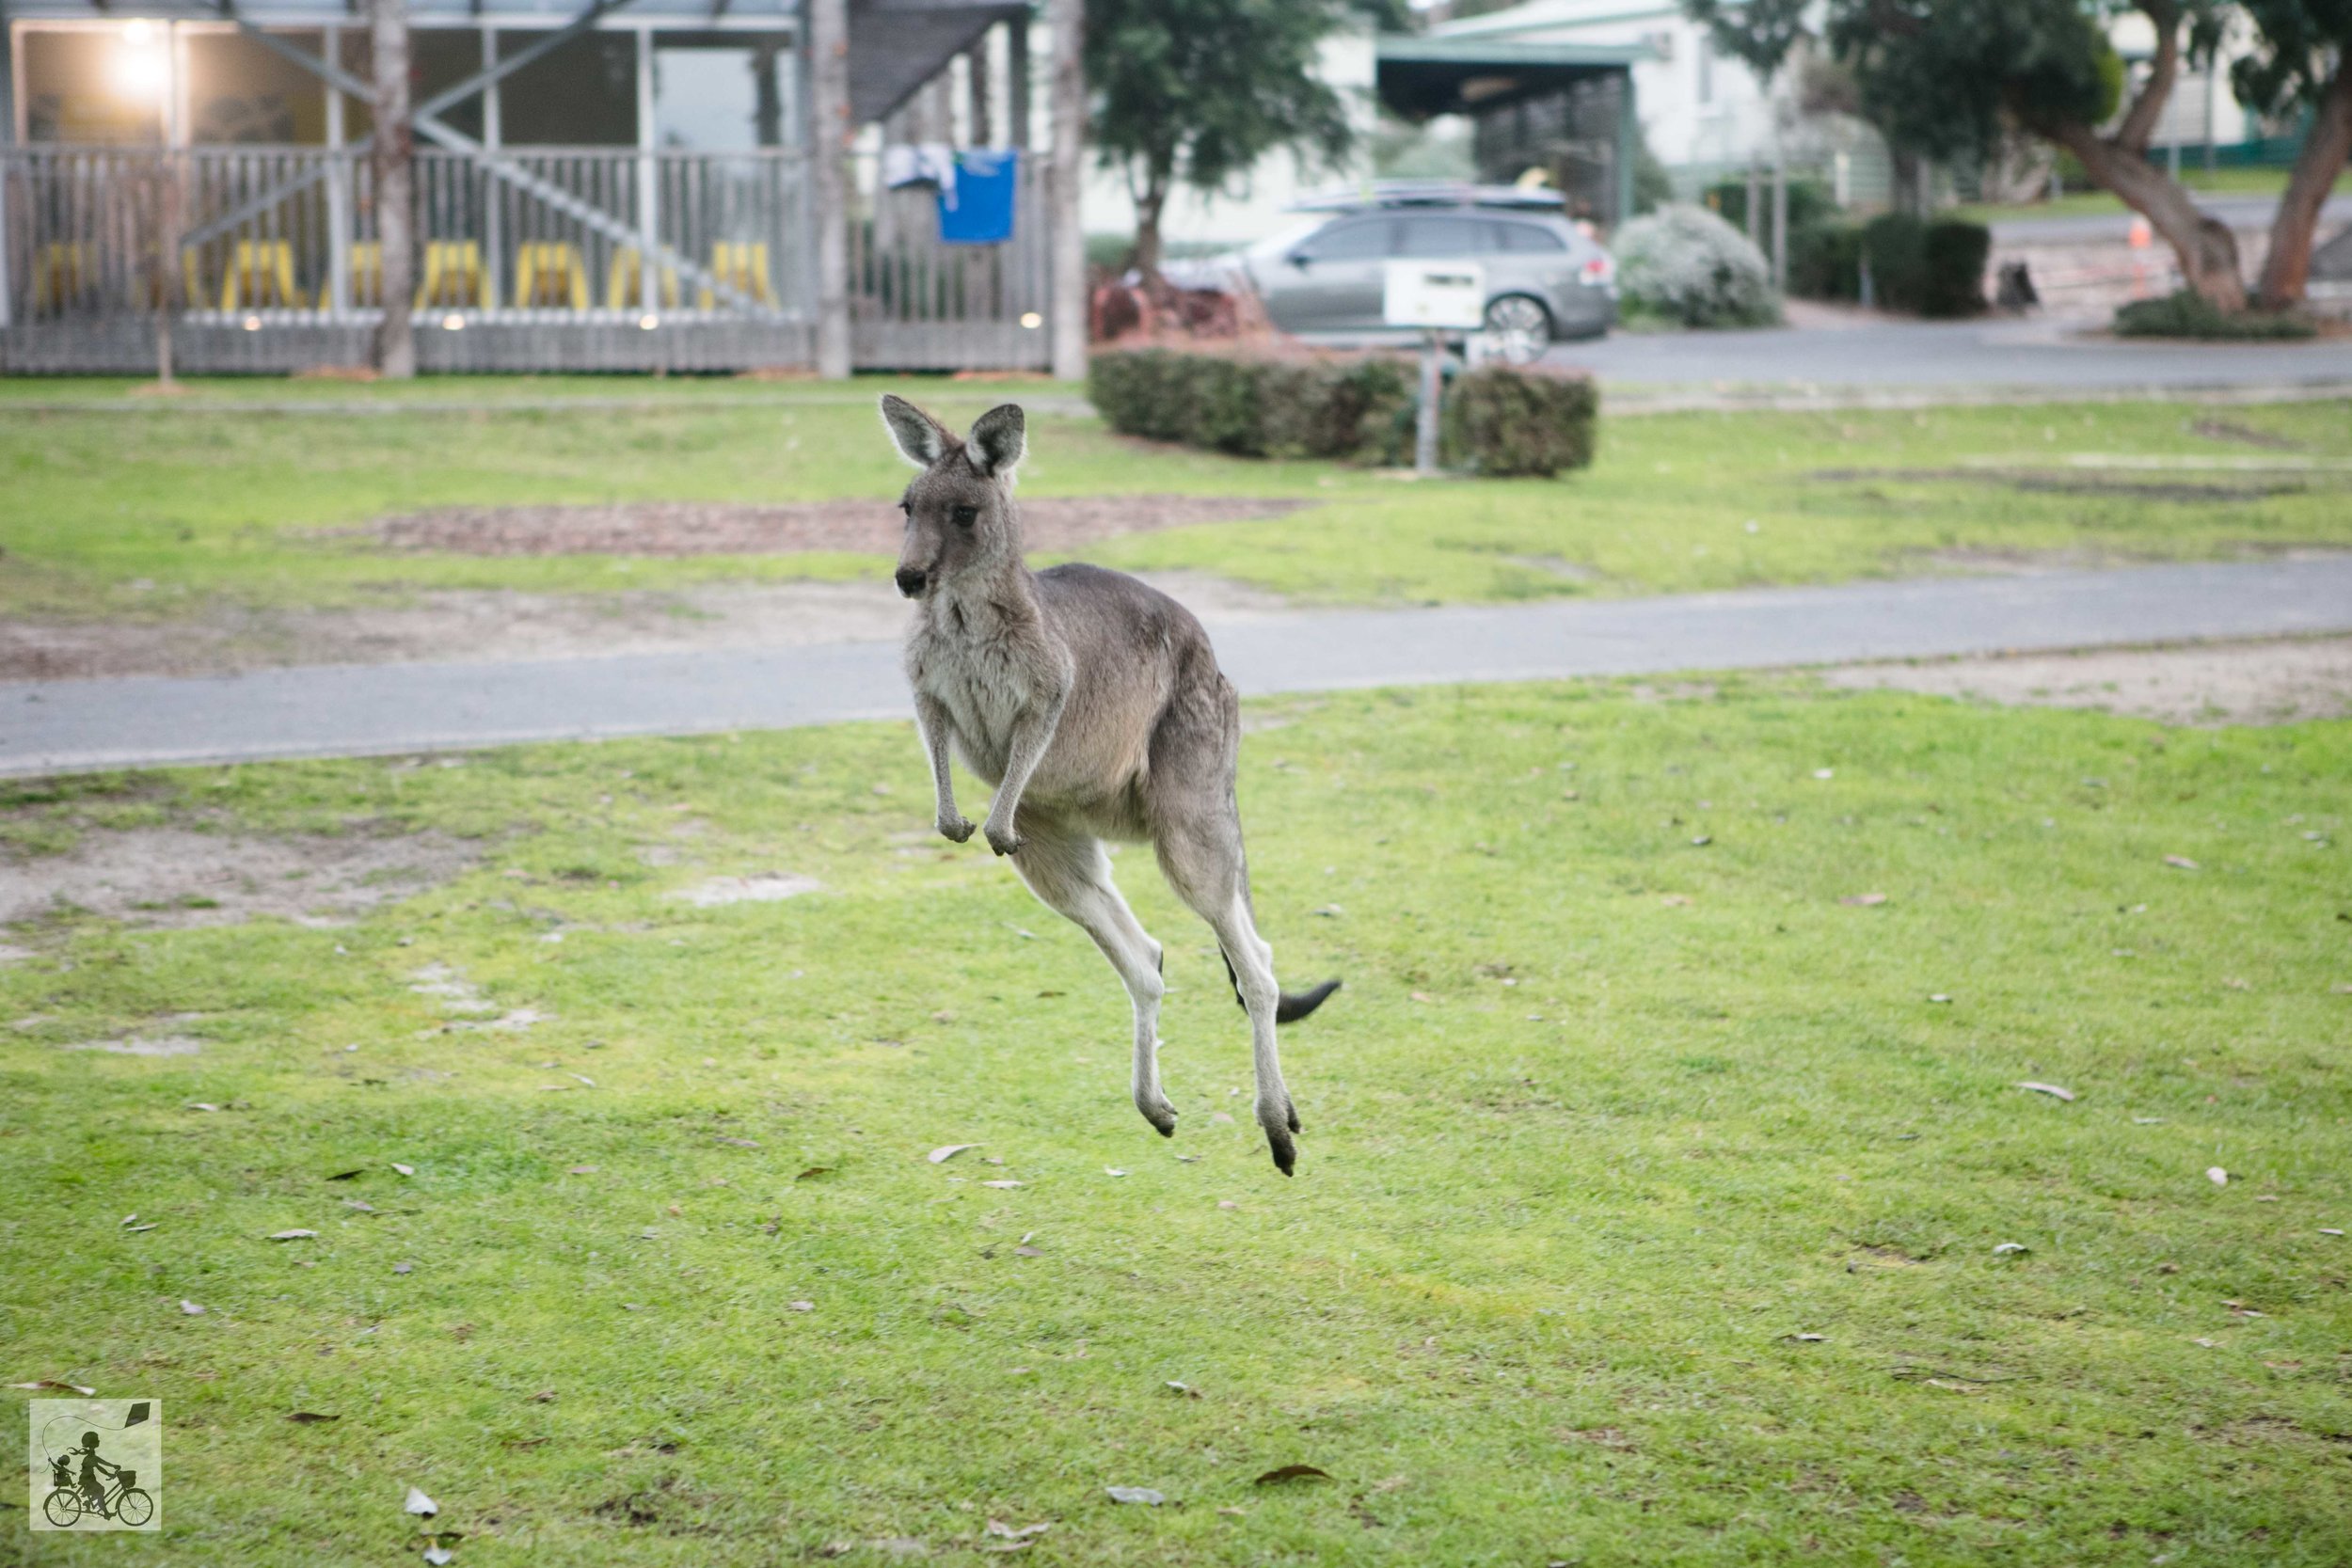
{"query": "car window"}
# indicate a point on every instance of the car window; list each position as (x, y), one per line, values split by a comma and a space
(1442, 236)
(1528, 237)
(1350, 242)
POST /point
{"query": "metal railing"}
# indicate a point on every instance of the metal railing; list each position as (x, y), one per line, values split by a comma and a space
(276, 235)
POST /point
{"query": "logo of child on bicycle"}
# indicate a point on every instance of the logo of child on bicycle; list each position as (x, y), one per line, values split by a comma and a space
(97, 1464)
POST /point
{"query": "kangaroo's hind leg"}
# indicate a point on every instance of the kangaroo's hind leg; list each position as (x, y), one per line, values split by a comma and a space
(1071, 876)
(1200, 852)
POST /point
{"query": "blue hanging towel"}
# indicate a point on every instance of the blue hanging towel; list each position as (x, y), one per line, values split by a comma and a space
(980, 211)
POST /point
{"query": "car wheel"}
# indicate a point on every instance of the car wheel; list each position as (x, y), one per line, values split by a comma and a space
(1519, 327)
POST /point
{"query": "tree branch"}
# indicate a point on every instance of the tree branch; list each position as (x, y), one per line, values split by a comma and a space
(2139, 124)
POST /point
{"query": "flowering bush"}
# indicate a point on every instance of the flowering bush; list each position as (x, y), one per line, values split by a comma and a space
(1690, 267)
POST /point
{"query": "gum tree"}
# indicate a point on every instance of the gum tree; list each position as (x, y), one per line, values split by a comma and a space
(2302, 60)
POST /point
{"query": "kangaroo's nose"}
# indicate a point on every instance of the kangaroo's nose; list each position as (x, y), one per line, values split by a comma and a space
(910, 583)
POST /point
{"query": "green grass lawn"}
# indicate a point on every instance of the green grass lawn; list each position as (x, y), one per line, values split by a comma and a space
(1649, 1207)
(2087, 203)
(165, 513)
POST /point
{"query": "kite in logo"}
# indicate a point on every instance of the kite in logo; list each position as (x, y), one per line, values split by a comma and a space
(83, 1482)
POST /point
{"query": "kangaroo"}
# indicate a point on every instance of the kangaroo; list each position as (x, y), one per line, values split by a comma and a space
(1094, 705)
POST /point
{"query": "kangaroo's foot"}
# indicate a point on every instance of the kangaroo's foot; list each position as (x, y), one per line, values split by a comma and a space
(1157, 1111)
(1280, 1122)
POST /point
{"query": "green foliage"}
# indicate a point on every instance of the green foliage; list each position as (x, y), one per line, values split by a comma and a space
(1895, 246)
(1825, 260)
(1809, 201)
(1942, 76)
(2189, 314)
(1252, 405)
(1689, 267)
(1499, 420)
(1508, 424)
(1758, 33)
(1953, 255)
(1194, 92)
(2299, 47)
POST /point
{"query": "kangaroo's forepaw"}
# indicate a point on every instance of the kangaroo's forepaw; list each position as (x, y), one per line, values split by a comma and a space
(1290, 1113)
(1286, 1152)
(1002, 840)
(1159, 1113)
(954, 829)
(1280, 1124)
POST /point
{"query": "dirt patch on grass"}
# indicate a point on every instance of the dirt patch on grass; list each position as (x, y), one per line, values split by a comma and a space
(2042, 482)
(2239, 683)
(721, 528)
(175, 877)
(483, 624)
(766, 887)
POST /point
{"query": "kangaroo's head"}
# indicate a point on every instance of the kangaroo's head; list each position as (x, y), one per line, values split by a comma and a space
(959, 512)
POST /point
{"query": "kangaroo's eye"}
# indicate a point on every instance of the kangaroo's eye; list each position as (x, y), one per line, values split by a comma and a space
(966, 515)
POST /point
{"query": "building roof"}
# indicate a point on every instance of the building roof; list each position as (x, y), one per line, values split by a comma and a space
(1422, 74)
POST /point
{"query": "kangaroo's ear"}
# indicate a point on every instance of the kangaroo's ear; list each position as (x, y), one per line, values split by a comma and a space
(921, 439)
(998, 440)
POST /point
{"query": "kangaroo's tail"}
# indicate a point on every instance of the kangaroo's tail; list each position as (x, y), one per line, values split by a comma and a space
(1294, 1005)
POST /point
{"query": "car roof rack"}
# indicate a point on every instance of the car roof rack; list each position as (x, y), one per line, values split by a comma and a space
(1430, 193)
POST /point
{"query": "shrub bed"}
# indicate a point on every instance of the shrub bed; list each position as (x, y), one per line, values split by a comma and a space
(1935, 269)
(1688, 266)
(1498, 419)
(2191, 315)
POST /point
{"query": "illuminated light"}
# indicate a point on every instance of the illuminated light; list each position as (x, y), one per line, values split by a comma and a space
(649, 322)
(140, 32)
(141, 68)
(453, 323)
(1031, 319)
(253, 323)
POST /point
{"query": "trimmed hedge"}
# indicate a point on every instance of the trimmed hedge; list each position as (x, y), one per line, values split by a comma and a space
(2191, 315)
(1503, 422)
(1935, 269)
(1825, 262)
(1498, 419)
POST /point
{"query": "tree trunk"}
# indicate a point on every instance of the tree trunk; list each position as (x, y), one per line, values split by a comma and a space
(2206, 246)
(1149, 206)
(1066, 18)
(395, 188)
(2286, 271)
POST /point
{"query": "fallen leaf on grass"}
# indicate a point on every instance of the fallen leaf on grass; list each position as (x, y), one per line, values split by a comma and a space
(802, 1305)
(1292, 1472)
(291, 1235)
(945, 1152)
(736, 1143)
(2180, 863)
(998, 1528)
(2007, 1247)
(305, 1417)
(1235, 1513)
(1113, 1171)
(2216, 1175)
(134, 1229)
(1001, 1186)
(201, 1105)
(1953, 1387)
(1940, 996)
(418, 1503)
(1184, 1389)
(1135, 1495)
(584, 1170)
(405, 1170)
(1806, 1338)
(52, 1383)
(364, 1207)
(2329, 1230)
(439, 1555)
(1864, 900)
(2209, 1344)
(812, 1171)
(1028, 1252)
(191, 1310)
(404, 1268)
(347, 1175)
(2051, 1089)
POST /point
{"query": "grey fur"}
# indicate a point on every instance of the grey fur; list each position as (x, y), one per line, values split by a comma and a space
(1094, 705)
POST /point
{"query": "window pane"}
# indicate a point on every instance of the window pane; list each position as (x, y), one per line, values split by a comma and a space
(1351, 242)
(1527, 237)
(1436, 236)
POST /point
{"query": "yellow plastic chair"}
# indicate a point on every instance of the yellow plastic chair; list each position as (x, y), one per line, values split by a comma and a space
(547, 273)
(365, 262)
(260, 272)
(624, 287)
(452, 275)
(742, 267)
(60, 275)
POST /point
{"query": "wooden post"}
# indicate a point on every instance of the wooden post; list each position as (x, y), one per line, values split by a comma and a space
(981, 127)
(338, 190)
(830, 130)
(169, 205)
(648, 170)
(1017, 83)
(7, 140)
(493, 198)
(395, 188)
(1425, 417)
(1068, 238)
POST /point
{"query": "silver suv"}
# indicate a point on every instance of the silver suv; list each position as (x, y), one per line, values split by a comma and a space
(1545, 279)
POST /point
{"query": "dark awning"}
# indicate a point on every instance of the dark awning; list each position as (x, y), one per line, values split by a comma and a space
(1420, 77)
(897, 45)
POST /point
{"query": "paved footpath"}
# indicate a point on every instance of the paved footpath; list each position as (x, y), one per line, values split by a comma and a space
(349, 711)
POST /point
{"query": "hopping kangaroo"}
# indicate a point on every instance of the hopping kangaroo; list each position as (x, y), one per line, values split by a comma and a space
(1094, 705)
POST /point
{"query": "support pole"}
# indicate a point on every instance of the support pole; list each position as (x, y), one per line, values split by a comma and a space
(395, 188)
(170, 204)
(1432, 389)
(1064, 231)
(980, 125)
(830, 130)
(1017, 83)
(7, 140)
(338, 191)
(648, 170)
(1629, 128)
(493, 198)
